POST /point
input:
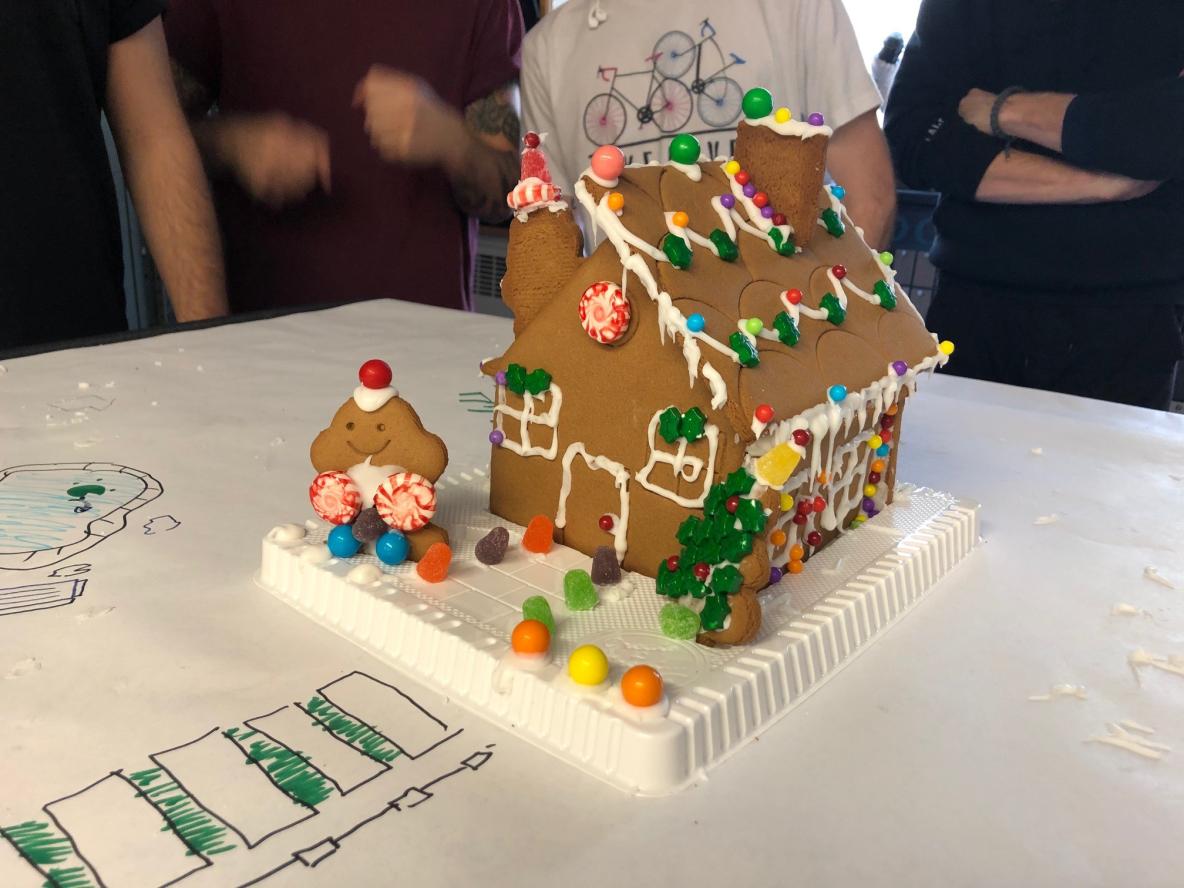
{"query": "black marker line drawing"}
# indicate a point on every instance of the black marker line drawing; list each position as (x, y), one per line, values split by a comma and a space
(54, 511)
(161, 524)
(71, 570)
(39, 596)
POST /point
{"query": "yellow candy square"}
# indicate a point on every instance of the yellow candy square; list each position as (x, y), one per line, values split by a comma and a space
(774, 468)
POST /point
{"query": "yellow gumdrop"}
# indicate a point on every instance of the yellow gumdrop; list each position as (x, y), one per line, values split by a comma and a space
(774, 468)
(731, 167)
(786, 502)
(783, 115)
(587, 665)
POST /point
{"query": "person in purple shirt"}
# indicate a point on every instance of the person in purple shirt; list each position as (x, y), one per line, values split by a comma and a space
(354, 146)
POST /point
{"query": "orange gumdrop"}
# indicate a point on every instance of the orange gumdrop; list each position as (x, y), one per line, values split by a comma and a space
(642, 686)
(530, 637)
(796, 553)
(539, 536)
(891, 411)
(433, 567)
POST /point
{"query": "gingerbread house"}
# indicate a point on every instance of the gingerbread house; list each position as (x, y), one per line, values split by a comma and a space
(717, 390)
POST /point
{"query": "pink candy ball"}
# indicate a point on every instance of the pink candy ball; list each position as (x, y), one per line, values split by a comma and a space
(608, 162)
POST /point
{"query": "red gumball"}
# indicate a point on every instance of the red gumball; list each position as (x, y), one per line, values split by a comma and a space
(814, 538)
(531, 139)
(375, 374)
(741, 177)
(839, 271)
(702, 570)
(799, 519)
(672, 563)
(606, 522)
(801, 437)
(819, 504)
(764, 413)
(794, 296)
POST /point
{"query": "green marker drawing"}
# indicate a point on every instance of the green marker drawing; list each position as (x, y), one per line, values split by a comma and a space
(291, 771)
(371, 743)
(80, 490)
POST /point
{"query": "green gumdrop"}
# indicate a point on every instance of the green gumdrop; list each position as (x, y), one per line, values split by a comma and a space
(516, 378)
(757, 103)
(538, 381)
(537, 608)
(744, 349)
(579, 592)
(693, 424)
(726, 246)
(678, 621)
(887, 297)
(787, 330)
(684, 148)
(669, 423)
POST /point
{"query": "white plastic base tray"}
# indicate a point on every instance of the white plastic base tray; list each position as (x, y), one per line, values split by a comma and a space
(454, 635)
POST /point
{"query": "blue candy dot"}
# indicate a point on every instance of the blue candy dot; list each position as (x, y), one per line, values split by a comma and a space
(696, 323)
(837, 393)
(342, 542)
(392, 548)
(838, 191)
(883, 450)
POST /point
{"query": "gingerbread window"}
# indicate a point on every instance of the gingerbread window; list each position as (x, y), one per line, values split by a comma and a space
(672, 435)
(531, 429)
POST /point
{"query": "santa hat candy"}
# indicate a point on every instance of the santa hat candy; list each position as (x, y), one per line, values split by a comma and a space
(375, 390)
(534, 186)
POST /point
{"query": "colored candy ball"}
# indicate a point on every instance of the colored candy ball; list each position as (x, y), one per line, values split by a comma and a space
(605, 522)
(754, 325)
(874, 477)
(727, 201)
(608, 162)
(491, 548)
(796, 552)
(587, 665)
(786, 502)
(672, 563)
(782, 115)
(839, 271)
(805, 506)
(732, 503)
(749, 190)
(375, 374)
(878, 465)
(579, 592)
(678, 621)
(342, 542)
(532, 140)
(742, 177)
(539, 536)
(433, 566)
(696, 323)
(763, 413)
(816, 119)
(774, 576)
(887, 258)
(883, 450)
(793, 296)
(795, 566)
(757, 103)
(801, 437)
(684, 148)
(496, 437)
(392, 548)
(819, 504)
(869, 504)
(885, 435)
(837, 393)
(641, 686)
(869, 490)
(777, 538)
(760, 199)
(616, 201)
(536, 607)
(731, 167)
(887, 421)
(680, 219)
(530, 637)
(766, 211)
(702, 571)
(838, 191)
(945, 347)
(814, 538)
(778, 218)
(900, 368)
(874, 441)
(799, 519)
(500, 377)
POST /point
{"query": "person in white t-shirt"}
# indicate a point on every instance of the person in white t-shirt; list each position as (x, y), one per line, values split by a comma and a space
(636, 73)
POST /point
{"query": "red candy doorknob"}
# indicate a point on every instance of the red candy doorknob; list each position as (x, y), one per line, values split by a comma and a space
(375, 374)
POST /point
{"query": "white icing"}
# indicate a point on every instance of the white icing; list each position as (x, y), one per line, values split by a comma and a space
(287, 533)
(725, 217)
(691, 170)
(620, 475)
(527, 418)
(1118, 736)
(639, 714)
(315, 554)
(371, 399)
(617, 592)
(555, 206)
(684, 467)
(369, 477)
(1150, 573)
(364, 575)
(803, 129)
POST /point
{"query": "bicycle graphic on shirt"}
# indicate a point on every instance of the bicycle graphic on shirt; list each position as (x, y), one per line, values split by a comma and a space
(669, 100)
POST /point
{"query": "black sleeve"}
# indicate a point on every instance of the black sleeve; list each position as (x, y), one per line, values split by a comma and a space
(129, 16)
(932, 147)
(1137, 132)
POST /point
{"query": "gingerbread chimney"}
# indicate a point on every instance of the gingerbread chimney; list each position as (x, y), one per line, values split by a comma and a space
(785, 158)
(546, 245)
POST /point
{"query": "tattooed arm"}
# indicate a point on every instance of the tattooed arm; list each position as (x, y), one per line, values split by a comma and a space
(408, 123)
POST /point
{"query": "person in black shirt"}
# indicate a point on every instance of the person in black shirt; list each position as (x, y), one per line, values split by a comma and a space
(62, 63)
(1054, 131)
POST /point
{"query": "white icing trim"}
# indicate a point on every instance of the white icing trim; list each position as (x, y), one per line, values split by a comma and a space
(371, 399)
(620, 476)
(758, 221)
(691, 170)
(555, 206)
(725, 217)
(686, 468)
(792, 127)
(526, 418)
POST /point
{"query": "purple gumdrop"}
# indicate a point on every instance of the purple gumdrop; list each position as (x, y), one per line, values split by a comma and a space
(767, 211)
(869, 505)
(727, 201)
(749, 190)
(496, 437)
(900, 368)
(816, 119)
(500, 377)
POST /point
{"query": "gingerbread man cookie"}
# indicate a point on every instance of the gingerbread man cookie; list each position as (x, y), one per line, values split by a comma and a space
(378, 467)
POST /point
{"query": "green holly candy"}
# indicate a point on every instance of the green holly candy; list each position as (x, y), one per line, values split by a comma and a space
(757, 103)
(516, 378)
(725, 245)
(676, 251)
(887, 297)
(787, 330)
(538, 381)
(743, 347)
(835, 313)
(668, 424)
(684, 148)
(693, 424)
(715, 611)
(834, 225)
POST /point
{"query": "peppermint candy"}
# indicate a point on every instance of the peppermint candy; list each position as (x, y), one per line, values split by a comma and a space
(406, 501)
(605, 312)
(530, 192)
(335, 497)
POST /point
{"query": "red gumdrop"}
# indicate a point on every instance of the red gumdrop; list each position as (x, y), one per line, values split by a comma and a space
(375, 374)
(433, 567)
(539, 536)
(814, 538)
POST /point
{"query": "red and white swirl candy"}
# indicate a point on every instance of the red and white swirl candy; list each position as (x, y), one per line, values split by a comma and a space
(406, 501)
(605, 312)
(335, 497)
(532, 192)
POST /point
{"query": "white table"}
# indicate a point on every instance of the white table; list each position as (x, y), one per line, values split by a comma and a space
(923, 762)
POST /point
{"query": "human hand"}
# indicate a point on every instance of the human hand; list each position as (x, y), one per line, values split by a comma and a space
(276, 158)
(405, 119)
(975, 109)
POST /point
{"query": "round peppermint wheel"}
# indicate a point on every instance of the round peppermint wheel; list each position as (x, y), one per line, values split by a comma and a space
(335, 497)
(605, 312)
(406, 501)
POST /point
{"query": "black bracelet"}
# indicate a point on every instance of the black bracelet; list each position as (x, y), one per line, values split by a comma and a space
(996, 131)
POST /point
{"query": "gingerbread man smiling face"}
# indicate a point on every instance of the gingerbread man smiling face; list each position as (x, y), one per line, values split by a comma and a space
(392, 435)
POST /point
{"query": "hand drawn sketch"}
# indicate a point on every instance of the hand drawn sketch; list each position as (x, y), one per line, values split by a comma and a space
(161, 524)
(71, 570)
(39, 596)
(54, 511)
(209, 810)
